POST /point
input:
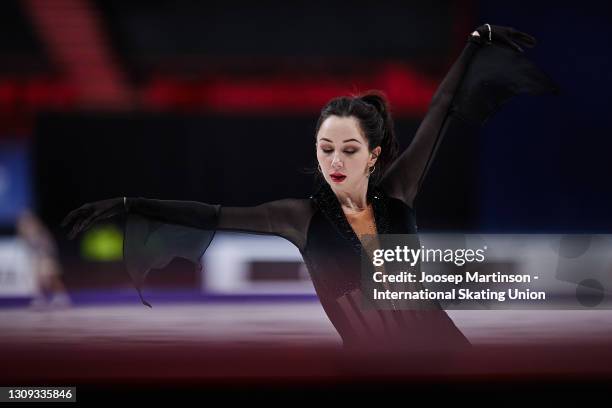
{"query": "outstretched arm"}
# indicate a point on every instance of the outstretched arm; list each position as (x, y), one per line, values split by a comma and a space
(404, 177)
(157, 231)
(286, 218)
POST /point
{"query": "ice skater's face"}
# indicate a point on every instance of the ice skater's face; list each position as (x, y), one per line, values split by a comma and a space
(343, 153)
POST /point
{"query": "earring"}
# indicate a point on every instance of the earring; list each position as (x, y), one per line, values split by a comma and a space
(372, 170)
(319, 168)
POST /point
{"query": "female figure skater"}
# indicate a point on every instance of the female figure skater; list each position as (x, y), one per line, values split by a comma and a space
(45, 264)
(367, 188)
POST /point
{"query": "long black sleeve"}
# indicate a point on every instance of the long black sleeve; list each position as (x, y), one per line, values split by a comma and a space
(287, 218)
(187, 213)
(404, 177)
(157, 231)
(480, 81)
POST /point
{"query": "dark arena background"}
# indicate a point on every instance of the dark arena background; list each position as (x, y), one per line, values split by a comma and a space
(217, 102)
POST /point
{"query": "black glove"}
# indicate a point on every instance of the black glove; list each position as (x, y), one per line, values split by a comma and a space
(83, 217)
(503, 35)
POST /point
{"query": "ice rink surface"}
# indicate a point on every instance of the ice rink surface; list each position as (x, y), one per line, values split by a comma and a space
(215, 348)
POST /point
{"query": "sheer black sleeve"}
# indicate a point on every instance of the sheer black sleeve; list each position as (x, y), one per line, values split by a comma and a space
(157, 231)
(480, 81)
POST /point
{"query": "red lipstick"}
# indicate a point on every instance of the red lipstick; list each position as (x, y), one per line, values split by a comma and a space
(337, 177)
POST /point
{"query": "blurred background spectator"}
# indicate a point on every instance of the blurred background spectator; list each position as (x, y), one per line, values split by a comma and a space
(42, 251)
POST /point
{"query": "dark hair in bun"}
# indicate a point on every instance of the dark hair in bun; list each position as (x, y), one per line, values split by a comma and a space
(371, 109)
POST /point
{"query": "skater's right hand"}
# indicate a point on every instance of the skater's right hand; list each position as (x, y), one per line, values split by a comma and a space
(86, 215)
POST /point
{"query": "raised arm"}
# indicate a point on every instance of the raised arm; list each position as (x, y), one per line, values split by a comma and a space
(404, 177)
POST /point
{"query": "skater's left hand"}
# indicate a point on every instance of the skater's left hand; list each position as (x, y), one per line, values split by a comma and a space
(503, 35)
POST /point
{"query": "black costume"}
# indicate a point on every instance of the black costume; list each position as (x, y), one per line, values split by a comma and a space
(484, 76)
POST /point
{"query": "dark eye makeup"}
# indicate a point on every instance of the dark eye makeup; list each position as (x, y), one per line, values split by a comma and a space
(349, 151)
